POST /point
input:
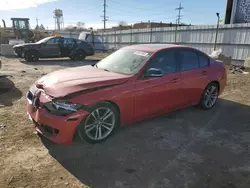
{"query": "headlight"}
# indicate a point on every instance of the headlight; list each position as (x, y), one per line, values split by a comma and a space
(61, 107)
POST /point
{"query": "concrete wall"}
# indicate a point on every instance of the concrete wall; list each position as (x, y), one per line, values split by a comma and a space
(233, 39)
(6, 50)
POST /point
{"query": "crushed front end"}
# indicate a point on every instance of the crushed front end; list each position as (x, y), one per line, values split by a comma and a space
(55, 119)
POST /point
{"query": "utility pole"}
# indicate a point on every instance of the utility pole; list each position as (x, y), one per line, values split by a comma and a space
(104, 15)
(179, 14)
(105, 18)
(178, 21)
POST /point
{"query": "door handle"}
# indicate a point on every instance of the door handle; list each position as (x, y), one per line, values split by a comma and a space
(204, 72)
(174, 80)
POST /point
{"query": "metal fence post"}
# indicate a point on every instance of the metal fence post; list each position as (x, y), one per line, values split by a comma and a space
(217, 30)
(131, 34)
(175, 36)
(93, 38)
(151, 32)
(115, 38)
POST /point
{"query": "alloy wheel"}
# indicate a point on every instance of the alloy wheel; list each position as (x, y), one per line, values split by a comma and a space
(211, 96)
(100, 123)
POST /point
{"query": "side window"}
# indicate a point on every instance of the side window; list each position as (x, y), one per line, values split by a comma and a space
(69, 41)
(165, 61)
(189, 60)
(203, 60)
(54, 41)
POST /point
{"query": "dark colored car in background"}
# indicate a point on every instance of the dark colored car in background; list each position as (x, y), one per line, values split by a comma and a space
(54, 47)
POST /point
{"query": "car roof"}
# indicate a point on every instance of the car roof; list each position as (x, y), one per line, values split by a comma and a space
(153, 47)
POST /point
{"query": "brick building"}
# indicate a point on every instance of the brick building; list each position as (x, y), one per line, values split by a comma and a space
(141, 26)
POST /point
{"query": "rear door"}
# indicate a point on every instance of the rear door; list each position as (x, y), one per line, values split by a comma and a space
(157, 95)
(194, 69)
(51, 48)
(67, 46)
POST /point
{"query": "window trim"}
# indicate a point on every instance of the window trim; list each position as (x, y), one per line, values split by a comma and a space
(179, 59)
(155, 56)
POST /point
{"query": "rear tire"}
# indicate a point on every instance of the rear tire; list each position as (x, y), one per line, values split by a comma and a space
(100, 124)
(31, 56)
(209, 96)
(78, 55)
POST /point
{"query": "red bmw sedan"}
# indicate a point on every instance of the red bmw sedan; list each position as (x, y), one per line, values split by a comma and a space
(132, 84)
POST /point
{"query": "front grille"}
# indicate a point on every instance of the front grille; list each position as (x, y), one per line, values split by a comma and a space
(49, 131)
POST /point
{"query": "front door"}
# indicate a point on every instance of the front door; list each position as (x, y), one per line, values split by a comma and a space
(157, 95)
(51, 48)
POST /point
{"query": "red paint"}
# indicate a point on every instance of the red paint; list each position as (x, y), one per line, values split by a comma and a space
(137, 99)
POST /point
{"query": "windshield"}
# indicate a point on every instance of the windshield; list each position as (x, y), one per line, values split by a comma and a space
(43, 40)
(124, 61)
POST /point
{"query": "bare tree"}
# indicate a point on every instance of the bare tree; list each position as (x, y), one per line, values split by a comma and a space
(122, 23)
(80, 25)
(42, 27)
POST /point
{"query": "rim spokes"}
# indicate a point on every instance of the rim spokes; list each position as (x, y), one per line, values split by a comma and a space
(90, 127)
(210, 96)
(107, 115)
(96, 133)
(100, 123)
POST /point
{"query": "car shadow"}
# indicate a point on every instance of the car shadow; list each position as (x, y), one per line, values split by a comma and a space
(8, 92)
(60, 62)
(186, 148)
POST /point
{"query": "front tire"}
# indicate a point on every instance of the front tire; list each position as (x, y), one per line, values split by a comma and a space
(99, 124)
(209, 96)
(31, 56)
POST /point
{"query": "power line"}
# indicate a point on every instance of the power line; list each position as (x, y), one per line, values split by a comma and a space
(179, 13)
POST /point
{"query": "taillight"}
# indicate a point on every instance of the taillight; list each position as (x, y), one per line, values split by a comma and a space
(91, 45)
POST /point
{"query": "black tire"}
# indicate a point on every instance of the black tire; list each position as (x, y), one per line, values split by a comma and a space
(80, 55)
(72, 57)
(204, 98)
(82, 130)
(31, 56)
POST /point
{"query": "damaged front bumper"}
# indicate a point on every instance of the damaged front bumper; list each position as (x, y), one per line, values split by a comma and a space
(59, 129)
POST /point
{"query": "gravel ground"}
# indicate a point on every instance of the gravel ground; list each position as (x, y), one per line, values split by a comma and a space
(189, 148)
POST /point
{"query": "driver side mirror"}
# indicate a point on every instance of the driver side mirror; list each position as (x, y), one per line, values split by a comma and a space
(153, 73)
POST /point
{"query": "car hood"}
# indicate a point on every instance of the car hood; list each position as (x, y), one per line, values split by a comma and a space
(67, 81)
(24, 45)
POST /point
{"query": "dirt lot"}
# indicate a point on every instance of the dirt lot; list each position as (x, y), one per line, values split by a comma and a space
(186, 149)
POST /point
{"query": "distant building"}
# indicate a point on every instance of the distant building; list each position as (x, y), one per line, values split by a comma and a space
(142, 25)
(154, 24)
(116, 28)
